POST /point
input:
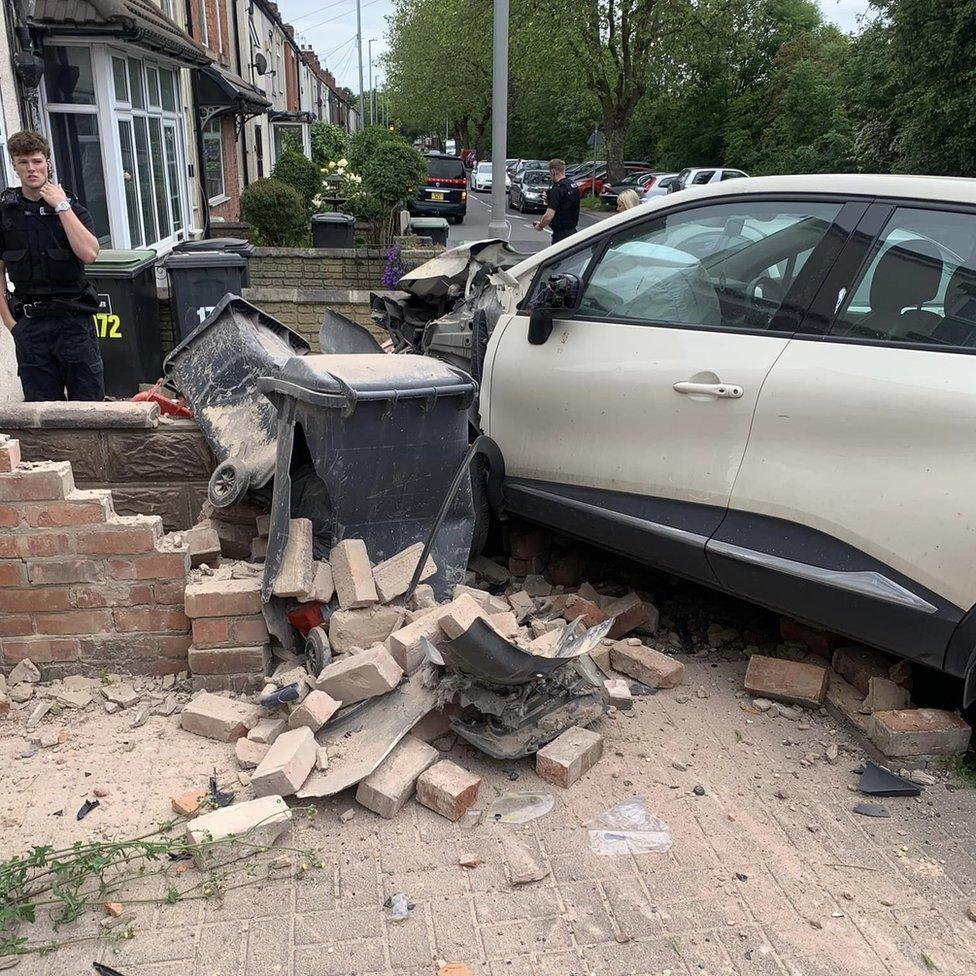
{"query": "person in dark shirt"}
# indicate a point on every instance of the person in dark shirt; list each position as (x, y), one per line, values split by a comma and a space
(563, 204)
(46, 239)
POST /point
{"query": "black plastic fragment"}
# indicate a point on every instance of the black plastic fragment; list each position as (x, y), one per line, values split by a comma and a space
(218, 797)
(871, 810)
(86, 808)
(878, 781)
(104, 970)
(483, 654)
(282, 696)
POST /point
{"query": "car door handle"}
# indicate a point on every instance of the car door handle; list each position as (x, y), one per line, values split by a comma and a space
(727, 390)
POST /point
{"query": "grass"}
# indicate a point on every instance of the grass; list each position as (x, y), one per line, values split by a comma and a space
(963, 769)
(592, 203)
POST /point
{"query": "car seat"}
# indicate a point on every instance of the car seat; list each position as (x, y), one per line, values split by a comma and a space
(958, 325)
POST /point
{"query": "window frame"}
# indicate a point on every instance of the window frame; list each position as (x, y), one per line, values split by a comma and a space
(853, 264)
(214, 201)
(804, 289)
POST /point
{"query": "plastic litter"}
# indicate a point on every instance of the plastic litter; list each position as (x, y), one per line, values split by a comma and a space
(398, 907)
(217, 797)
(519, 808)
(629, 828)
(282, 696)
(871, 810)
(86, 808)
(878, 781)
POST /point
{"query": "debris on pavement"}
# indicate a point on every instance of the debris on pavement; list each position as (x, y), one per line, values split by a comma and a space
(878, 781)
(628, 828)
(519, 808)
(398, 907)
(871, 810)
(448, 789)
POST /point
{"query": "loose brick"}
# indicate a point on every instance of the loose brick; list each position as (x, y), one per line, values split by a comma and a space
(504, 624)
(9, 454)
(567, 568)
(859, 665)
(526, 567)
(262, 524)
(54, 571)
(522, 604)
(529, 544)
(646, 665)
(223, 598)
(259, 550)
(230, 631)
(579, 608)
(448, 789)
(250, 753)
(786, 681)
(911, 732)
(41, 650)
(74, 622)
(537, 586)
(287, 765)
(490, 604)
(41, 482)
(257, 824)
(322, 588)
(66, 514)
(394, 781)
(120, 537)
(392, 576)
(202, 545)
(545, 645)
(352, 574)
(459, 615)
(267, 730)
(13, 572)
(885, 696)
(362, 627)
(229, 660)
(619, 693)
(150, 620)
(628, 612)
(489, 569)
(404, 644)
(819, 641)
(296, 573)
(564, 760)
(187, 804)
(356, 677)
(314, 711)
(216, 717)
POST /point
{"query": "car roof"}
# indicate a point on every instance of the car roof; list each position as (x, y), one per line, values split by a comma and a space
(941, 189)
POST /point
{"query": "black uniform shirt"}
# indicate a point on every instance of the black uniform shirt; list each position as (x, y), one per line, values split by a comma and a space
(563, 197)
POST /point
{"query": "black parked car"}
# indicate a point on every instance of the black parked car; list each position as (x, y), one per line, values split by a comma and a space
(445, 191)
(528, 192)
(636, 182)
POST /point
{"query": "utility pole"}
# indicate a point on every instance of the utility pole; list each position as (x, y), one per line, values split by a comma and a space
(359, 49)
(372, 94)
(498, 226)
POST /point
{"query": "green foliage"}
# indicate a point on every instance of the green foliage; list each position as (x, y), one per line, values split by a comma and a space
(277, 212)
(298, 171)
(366, 142)
(329, 143)
(393, 171)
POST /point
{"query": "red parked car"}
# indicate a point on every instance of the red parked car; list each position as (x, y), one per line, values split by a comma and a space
(591, 184)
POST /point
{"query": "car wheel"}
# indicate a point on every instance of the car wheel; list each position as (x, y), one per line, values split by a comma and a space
(459, 219)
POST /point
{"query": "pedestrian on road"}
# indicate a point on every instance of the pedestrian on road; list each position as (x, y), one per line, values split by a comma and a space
(626, 200)
(46, 239)
(563, 204)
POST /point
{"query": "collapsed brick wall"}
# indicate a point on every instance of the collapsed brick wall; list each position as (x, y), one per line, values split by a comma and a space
(356, 268)
(303, 309)
(82, 589)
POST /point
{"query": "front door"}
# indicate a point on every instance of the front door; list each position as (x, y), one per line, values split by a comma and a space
(635, 414)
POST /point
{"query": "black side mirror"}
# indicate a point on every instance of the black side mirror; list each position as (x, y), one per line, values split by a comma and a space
(561, 292)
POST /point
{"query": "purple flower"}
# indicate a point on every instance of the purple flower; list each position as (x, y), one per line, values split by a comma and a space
(394, 269)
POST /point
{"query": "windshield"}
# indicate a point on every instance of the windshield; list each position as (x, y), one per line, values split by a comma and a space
(442, 168)
(484, 167)
(536, 177)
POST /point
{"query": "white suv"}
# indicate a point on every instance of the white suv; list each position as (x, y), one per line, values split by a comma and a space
(767, 386)
(703, 175)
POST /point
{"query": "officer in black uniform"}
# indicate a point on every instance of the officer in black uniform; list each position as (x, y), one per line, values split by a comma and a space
(562, 204)
(46, 239)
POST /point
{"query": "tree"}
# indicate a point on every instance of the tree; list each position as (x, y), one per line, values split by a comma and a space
(329, 143)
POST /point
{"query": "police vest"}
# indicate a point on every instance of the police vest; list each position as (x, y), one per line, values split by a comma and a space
(37, 255)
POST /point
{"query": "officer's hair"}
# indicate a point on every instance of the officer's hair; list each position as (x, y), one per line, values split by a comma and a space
(26, 143)
(557, 165)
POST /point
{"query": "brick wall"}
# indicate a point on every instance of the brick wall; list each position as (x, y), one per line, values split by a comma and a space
(303, 309)
(327, 267)
(82, 588)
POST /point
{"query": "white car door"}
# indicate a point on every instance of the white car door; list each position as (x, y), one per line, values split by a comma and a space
(855, 505)
(634, 415)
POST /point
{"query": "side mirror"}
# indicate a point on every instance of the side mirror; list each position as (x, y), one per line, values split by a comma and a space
(561, 292)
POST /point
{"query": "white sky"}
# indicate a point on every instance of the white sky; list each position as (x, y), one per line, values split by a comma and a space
(334, 41)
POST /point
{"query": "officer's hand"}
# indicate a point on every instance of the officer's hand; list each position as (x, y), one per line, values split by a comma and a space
(52, 194)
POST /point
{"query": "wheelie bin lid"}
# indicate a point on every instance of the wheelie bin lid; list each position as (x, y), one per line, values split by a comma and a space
(204, 259)
(232, 245)
(121, 263)
(428, 222)
(333, 218)
(343, 381)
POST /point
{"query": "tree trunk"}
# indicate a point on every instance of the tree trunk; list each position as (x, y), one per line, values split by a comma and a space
(614, 138)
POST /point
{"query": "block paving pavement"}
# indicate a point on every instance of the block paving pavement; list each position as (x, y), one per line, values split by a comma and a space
(770, 871)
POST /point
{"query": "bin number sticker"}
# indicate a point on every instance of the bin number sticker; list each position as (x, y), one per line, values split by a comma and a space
(203, 311)
(108, 326)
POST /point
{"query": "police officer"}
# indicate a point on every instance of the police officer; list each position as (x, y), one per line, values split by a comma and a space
(562, 204)
(46, 240)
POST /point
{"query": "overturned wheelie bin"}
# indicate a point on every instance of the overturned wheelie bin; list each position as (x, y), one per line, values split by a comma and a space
(216, 368)
(368, 448)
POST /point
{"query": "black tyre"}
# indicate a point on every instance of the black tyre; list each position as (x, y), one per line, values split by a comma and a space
(318, 650)
(482, 508)
(229, 483)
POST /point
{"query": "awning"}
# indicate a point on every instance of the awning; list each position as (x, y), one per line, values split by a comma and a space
(276, 115)
(221, 92)
(138, 21)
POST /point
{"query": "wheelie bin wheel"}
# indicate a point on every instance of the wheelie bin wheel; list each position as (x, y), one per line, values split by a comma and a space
(318, 651)
(229, 483)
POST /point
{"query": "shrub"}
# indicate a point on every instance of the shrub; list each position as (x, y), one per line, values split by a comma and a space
(329, 143)
(365, 142)
(298, 171)
(277, 212)
(393, 171)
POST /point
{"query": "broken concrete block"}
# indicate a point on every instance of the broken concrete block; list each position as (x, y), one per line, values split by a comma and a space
(123, 695)
(296, 574)
(490, 604)
(267, 730)
(884, 696)
(393, 782)
(362, 627)
(24, 672)
(187, 804)
(250, 753)
(629, 613)
(600, 655)
(238, 831)
(423, 598)
(489, 569)
(448, 789)
(589, 613)
(646, 665)
(537, 586)
(504, 624)
(314, 711)
(356, 677)
(459, 615)
(786, 681)
(545, 645)
(918, 732)
(859, 664)
(619, 693)
(287, 765)
(322, 587)
(219, 718)
(352, 574)
(522, 604)
(569, 756)
(203, 545)
(392, 576)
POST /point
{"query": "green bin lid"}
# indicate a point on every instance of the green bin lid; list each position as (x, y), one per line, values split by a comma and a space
(117, 259)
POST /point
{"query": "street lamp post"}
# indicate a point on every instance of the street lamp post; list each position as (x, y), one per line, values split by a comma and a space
(359, 50)
(498, 226)
(372, 94)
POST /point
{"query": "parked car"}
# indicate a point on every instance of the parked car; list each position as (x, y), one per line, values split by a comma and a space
(481, 178)
(769, 388)
(701, 176)
(527, 164)
(659, 188)
(528, 194)
(635, 181)
(445, 191)
(589, 182)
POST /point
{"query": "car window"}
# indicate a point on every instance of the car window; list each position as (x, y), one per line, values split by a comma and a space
(536, 178)
(918, 285)
(574, 264)
(732, 174)
(484, 167)
(444, 169)
(721, 266)
(703, 177)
